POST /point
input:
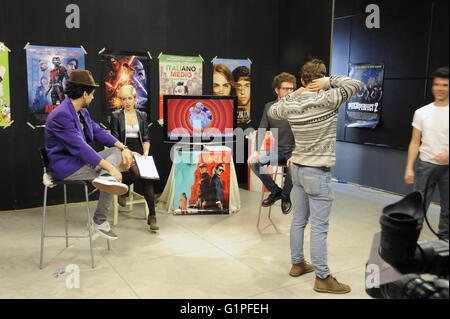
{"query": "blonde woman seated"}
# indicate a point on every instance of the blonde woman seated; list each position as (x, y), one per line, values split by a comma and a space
(130, 126)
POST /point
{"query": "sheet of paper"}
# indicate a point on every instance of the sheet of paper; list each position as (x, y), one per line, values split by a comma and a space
(147, 167)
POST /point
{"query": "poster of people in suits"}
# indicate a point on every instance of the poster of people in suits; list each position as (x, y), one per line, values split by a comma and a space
(233, 77)
(48, 69)
(364, 108)
(5, 106)
(179, 75)
(122, 68)
(202, 182)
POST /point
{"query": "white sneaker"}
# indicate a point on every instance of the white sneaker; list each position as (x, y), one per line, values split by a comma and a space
(108, 184)
(105, 230)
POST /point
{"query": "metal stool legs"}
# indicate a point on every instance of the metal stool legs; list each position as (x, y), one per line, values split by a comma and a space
(66, 236)
(89, 223)
(270, 208)
(65, 216)
(43, 226)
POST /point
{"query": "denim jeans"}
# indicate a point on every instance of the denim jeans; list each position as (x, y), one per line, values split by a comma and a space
(314, 197)
(439, 178)
(260, 169)
(114, 156)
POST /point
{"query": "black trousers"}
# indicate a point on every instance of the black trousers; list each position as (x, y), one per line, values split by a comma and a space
(148, 190)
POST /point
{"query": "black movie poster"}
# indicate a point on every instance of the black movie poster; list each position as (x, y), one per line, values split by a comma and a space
(124, 68)
(364, 109)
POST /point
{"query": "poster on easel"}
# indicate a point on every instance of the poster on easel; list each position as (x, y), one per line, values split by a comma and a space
(364, 109)
(5, 100)
(202, 182)
(179, 75)
(233, 77)
(48, 69)
(125, 68)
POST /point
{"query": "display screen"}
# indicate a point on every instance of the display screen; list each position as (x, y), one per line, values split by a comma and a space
(203, 117)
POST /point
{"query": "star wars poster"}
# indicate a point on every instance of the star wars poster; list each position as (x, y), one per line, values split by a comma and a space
(48, 69)
(179, 75)
(5, 106)
(364, 109)
(202, 182)
(233, 77)
(125, 69)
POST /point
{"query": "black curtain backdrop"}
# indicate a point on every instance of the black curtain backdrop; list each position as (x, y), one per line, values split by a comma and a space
(412, 42)
(255, 29)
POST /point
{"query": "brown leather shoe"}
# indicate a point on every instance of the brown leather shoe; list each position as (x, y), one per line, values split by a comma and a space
(300, 269)
(330, 285)
(153, 223)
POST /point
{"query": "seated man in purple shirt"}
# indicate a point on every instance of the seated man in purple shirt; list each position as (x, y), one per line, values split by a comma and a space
(68, 131)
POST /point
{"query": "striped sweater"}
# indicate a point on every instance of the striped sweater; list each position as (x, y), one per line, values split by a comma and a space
(313, 119)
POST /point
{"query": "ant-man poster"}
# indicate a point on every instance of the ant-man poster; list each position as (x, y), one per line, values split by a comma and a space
(48, 69)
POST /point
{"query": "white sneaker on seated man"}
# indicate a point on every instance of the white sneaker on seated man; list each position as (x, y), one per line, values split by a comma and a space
(107, 184)
(102, 180)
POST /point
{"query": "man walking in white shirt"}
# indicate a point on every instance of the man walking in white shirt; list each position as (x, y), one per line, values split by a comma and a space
(429, 141)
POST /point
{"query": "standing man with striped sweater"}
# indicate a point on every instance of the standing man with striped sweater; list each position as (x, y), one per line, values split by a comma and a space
(312, 112)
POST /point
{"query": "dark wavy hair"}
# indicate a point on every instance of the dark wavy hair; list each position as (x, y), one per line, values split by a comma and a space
(441, 72)
(283, 77)
(312, 70)
(241, 72)
(75, 91)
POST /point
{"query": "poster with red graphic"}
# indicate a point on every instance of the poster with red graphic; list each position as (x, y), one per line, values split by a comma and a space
(199, 116)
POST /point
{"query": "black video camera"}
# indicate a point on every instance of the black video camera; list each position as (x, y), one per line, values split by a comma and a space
(398, 259)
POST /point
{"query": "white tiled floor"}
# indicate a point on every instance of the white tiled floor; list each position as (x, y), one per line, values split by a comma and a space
(192, 256)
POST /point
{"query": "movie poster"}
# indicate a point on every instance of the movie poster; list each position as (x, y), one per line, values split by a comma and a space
(202, 182)
(233, 77)
(125, 69)
(179, 75)
(5, 106)
(364, 109)
(48, 69)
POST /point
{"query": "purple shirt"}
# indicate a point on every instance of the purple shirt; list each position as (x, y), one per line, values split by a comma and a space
(67, 146)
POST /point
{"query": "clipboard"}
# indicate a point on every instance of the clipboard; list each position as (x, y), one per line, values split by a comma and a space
(147, 167)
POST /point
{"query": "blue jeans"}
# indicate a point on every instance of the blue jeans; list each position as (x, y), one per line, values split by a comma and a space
(439, 178)
(314, 197)
(260, 170)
